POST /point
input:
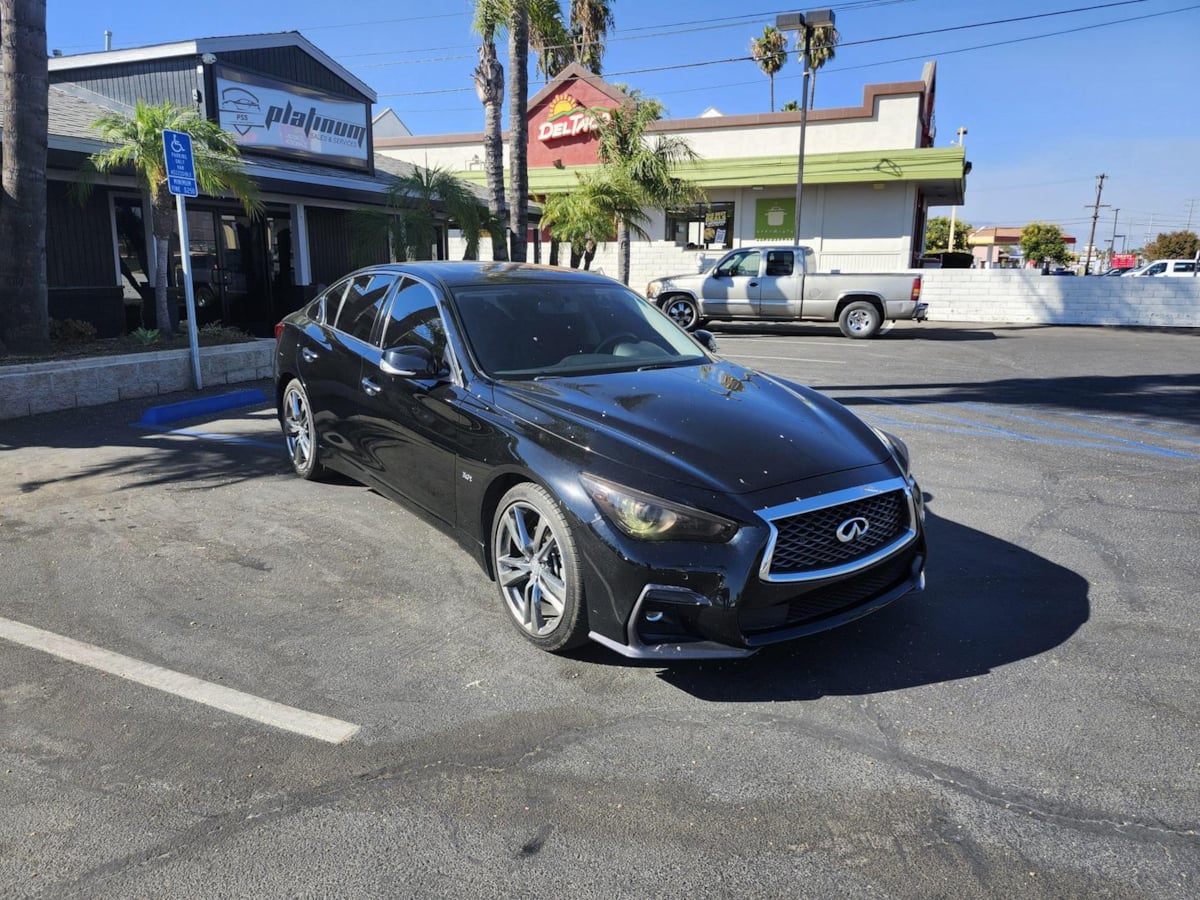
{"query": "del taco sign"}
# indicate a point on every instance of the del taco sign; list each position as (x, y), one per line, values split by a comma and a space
(566, 118)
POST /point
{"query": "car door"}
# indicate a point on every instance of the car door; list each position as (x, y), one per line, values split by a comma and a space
(781, 286)
(322, 366)
(413, 423)
(731, 289)
(338, 407)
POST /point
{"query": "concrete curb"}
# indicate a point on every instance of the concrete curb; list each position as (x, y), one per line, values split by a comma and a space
(190, 409)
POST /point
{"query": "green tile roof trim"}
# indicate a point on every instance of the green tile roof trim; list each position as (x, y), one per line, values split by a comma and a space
(859, 167)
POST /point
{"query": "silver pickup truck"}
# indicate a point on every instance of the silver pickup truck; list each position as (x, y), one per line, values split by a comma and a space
(773, 283)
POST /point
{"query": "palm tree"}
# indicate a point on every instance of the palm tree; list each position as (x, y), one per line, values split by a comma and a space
(518, 128)
(548, 37)
(490, 15)
(791, 106)
(413, 202)
(24, 321)
(631, 162)
(822, 47)
(590, 213)
(770, 52)
(590, 22)
(139, 146)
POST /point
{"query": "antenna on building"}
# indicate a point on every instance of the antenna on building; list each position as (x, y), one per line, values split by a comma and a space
(107, 39)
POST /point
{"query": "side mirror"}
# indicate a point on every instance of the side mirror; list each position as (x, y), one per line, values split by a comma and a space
(706, 339)
(411, 362)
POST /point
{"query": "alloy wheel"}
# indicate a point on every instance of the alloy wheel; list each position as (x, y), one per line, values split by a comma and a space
(298, 428)
(531, 569)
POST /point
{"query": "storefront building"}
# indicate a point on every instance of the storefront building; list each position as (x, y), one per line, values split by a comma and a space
(304, 126)
(871, 174)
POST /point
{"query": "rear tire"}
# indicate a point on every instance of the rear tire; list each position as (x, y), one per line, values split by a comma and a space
(538, 569)
(299, 432)
(860, 319)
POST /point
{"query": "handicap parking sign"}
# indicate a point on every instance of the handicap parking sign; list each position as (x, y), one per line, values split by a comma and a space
(181, 165)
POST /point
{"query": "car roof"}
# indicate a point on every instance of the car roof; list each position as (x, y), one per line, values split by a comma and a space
(454, 273)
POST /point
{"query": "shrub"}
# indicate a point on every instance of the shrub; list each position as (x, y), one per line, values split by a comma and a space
(146, 336)
(71, 331)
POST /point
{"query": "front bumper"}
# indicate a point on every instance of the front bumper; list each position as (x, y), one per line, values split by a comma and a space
(717, 601)
(664, 625)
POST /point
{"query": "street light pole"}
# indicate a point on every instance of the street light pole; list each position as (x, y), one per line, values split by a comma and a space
(803, 24)
(962, 133)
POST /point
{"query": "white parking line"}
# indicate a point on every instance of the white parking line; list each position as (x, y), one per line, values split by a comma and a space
(268, 712)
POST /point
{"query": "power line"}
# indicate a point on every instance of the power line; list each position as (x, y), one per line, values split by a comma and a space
(671, 29)
(714, 62)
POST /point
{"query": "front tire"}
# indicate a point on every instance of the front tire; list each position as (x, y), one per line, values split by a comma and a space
(683, 312)
(538, 569)
(299, 432)
(860, 320)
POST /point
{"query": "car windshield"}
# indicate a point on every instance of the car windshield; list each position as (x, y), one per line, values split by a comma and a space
(533, 329)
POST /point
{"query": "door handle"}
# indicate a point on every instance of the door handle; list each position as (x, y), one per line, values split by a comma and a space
(754, 284)
(309, 355)
(370, 387)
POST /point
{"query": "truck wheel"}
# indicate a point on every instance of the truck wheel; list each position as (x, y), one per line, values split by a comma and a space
(860, 319)
(683, 312)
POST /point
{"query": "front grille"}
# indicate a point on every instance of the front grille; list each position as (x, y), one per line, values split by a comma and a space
(808, 542)
(827, 601)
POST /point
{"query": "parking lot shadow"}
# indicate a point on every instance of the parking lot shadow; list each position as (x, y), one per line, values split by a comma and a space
(1168, 396)
(988, 603)
(903, 331)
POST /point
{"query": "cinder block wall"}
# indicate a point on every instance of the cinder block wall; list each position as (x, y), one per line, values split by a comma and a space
(1026, 296)
(44, 387)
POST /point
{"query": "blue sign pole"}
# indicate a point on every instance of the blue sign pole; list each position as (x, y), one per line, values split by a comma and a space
(181, 181)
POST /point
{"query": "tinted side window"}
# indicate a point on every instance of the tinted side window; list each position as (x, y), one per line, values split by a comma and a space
(362, 304)
(413, 320)
(780, 262)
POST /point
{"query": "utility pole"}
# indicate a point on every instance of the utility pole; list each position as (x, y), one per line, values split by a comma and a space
(1112, 244)
(1095, 208)
(1191, 205)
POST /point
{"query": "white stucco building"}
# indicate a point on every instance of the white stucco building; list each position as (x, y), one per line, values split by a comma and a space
(871, 173)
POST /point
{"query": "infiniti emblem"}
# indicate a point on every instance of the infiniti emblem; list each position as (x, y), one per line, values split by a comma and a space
(852, 529)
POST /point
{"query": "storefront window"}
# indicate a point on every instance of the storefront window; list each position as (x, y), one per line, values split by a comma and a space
(131, 247)
(705, 226)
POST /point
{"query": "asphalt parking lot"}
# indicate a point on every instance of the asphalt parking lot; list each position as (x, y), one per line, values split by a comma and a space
(219, 680)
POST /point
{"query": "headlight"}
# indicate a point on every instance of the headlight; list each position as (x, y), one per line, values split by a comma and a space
(652, 290)
(649, 518)
(896, 447)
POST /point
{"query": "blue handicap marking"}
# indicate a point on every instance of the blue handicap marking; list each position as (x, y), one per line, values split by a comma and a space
(181, 164)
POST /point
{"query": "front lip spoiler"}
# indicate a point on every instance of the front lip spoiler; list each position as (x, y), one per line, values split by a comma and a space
(636, 649)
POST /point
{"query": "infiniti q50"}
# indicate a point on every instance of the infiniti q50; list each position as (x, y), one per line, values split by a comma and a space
(616, 479)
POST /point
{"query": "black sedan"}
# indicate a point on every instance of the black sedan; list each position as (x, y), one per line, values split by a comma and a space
(616, 479)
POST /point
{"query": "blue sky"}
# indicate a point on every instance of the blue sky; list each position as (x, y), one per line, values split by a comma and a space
(1049, 103)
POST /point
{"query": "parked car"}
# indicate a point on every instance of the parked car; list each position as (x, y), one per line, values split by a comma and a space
(1168, 268)
(616, 479)
(772, 283)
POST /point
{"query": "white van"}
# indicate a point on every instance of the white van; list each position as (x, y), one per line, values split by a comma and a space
(1173, 268)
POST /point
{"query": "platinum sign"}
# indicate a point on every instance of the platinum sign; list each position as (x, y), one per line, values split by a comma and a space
(270, 117)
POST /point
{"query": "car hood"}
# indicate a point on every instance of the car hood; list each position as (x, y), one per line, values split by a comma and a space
(717, 426)
(685, 276)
